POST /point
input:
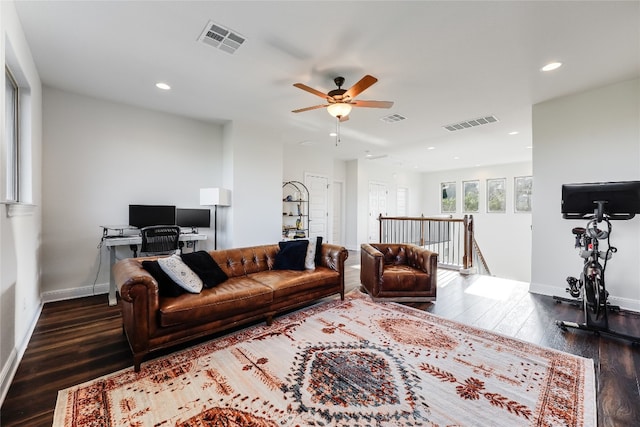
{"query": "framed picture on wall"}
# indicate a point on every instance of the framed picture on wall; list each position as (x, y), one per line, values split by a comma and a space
(522, 188)
(448, 200)
(471, 194)
(496, 195)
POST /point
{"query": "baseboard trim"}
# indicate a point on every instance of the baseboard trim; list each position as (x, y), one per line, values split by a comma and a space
(7, 374)
(84, 291)
(623, 303)
(11, 367)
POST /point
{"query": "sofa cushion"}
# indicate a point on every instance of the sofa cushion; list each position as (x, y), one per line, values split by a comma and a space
(237, 295)
(181, 273)
(205, 267)
(291, 255)
(288, 282)
(166, 286)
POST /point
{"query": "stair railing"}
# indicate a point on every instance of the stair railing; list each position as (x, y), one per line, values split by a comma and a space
(452, 238)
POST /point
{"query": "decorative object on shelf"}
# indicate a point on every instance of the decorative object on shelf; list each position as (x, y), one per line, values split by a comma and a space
(295, 224)
(215, 197)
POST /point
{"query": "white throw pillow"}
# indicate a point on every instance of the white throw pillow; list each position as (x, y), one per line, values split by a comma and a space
(310, 258)
(181, 273)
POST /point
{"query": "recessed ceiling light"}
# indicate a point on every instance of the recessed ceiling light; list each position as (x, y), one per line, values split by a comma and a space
(552, 66)
(529, 147)
(515, 132)
(163, 86)
(333, 134)
(431, 148)
(456, 158)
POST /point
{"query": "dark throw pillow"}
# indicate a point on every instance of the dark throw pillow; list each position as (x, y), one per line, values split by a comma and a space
(166, 286)
(291, 255)
(205, 267)
(318, 250)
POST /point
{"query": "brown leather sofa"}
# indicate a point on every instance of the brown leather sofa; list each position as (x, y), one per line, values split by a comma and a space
(398, 272)
(253, 292)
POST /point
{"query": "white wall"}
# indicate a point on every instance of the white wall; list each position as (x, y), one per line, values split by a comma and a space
(253, 172)
(360, 173)
(20, 225)
(503, 238)
(99, 157)
(592, 136)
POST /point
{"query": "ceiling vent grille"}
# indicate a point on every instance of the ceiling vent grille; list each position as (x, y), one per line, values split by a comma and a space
(221, 38)
(470, 123)
(393, 118)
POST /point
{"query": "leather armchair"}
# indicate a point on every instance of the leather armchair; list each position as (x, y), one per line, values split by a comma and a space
(398, 272)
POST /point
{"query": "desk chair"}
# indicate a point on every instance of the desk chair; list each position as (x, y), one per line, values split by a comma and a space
(160, 240)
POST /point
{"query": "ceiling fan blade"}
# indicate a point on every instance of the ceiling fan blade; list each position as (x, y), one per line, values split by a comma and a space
(359, 87)
(315, 107)
(311, 90)
(372, 104)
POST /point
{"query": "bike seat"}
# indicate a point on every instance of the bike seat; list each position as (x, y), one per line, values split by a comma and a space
(578, 230)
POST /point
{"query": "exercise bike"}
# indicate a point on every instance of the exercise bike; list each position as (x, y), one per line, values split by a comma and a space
(590, 289)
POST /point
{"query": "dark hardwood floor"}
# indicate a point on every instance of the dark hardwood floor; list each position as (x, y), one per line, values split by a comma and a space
(79, 340)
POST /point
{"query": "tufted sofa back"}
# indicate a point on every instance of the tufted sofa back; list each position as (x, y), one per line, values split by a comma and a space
(242, 261)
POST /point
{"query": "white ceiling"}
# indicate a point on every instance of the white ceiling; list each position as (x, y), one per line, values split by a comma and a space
(440, 62)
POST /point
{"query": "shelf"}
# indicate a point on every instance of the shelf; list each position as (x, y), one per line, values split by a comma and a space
(297, 193)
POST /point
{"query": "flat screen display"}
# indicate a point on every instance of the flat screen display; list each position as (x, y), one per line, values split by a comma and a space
(147, 215)
(193, 218)
(622, 199)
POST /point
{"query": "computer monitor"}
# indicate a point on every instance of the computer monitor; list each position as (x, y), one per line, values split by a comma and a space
(194, 218)
(621, 199)
(145, 215)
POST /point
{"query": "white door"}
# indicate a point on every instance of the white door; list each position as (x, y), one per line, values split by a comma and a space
(337, 213)
(318, 187)
(377, 206)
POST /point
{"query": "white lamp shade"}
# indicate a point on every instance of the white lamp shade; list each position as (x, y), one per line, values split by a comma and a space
(215, 197)
(339, 109)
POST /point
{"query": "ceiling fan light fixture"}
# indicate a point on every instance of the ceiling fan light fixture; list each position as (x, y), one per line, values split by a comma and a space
(339, 109)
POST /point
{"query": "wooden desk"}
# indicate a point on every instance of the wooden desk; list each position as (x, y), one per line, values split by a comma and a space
(112, 242)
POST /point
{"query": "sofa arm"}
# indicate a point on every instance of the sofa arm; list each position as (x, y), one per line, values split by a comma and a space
(333, 257)
(371, 266)
(422, 259)
(128, 273)
(139, 303)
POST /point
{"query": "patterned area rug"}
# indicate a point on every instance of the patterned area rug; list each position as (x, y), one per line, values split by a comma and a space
(345, 363)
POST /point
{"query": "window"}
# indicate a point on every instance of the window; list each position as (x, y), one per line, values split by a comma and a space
(471, 190)
(448, 202)
(496, 195)
(523, 186)
(12, 138)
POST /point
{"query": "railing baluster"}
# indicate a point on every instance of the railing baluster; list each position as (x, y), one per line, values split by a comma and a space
(452, 238)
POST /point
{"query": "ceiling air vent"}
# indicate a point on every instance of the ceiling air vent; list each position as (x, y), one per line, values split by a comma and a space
(222, 38)
(470, 123)
(393, 118)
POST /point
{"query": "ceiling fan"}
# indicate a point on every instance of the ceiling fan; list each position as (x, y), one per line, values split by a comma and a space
(340, 101)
